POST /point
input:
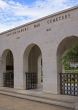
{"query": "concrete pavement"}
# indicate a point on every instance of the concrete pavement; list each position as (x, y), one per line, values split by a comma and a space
(68, 102)
(13, 103)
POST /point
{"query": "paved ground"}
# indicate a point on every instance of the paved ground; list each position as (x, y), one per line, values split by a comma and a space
(12, 103)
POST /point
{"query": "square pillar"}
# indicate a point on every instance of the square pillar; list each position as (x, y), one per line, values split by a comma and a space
(50, 76)
(19, 76)
(1, 73)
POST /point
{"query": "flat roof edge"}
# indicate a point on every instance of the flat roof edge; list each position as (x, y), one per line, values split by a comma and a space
(40, 19)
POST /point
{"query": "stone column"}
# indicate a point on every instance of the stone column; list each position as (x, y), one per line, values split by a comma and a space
(50, 71)
(39, 72)
(19, 76)
(1, 73)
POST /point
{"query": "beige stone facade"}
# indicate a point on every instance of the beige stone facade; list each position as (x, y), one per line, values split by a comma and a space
(37, 47)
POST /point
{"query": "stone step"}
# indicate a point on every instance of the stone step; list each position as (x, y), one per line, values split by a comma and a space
(40, 99)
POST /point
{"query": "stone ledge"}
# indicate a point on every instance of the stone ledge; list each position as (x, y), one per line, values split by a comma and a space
(69, 105)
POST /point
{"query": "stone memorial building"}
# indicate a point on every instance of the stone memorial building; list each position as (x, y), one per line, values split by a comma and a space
(30, 54)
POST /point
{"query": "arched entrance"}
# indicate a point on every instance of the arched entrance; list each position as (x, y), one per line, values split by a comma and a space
(8, 69)
(33, 67)
(68, 77)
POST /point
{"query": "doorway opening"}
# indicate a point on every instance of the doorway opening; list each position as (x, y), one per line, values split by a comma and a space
(33, 67)
(8, 69)
(67, 66)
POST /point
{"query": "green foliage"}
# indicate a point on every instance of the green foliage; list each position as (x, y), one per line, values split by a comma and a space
(70, 55)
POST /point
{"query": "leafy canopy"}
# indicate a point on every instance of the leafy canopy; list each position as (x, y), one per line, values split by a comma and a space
(70, 55)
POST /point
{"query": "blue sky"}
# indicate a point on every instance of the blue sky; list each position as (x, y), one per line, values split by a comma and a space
(17, 12)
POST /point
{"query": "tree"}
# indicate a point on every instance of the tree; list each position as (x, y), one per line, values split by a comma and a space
(70, 55)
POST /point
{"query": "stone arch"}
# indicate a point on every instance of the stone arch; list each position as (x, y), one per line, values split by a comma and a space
(32, 62)
(64, 45)
(8, 68)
